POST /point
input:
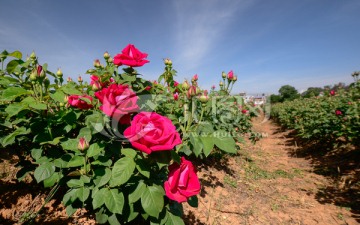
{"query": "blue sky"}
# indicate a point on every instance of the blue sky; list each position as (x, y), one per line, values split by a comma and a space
(267, 44)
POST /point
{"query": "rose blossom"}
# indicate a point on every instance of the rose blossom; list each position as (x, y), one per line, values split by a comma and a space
(182, 182)
(176, 96)
(230, 75)
(118, 101)
(151, 132)
(332, 92)
(97, 84)
(338, 112)
(130, 56)
(77, 102)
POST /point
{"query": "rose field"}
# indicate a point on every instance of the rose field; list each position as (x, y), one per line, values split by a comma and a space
(123, 149)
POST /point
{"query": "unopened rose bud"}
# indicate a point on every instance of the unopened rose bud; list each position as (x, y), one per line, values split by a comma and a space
(195, 77)
(230, 75)
(110, 60)
(168, 62)
(192, 91)
(176, 83)
(80, 80)
(176, 96)
(235, 78)
(97, 63)
(59, 73)
(213, 87)
(221, 84)
(33, 75)
(69, 79)
(90, 71)
(32, 55)
(223, 74)
(106, 55)
(95, 87)
(66, 98)
(83, 144)
(185, 85)
(204, 98)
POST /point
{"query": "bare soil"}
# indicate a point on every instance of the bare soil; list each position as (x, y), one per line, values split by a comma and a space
(279, 180)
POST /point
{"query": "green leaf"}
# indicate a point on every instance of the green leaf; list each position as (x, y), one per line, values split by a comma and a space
(70, 210)
(98, 198)
(129, 152)
(52, 180)
(102, 176)
(11, 66)
(36, 153)
(39, 106)
(196, 143)
(152, 200)
(71, 144)
(75, 183)
(16, 54)
(55, 141)
(11, 93)
(58, 96)
(193, 201)
(82, 193)
(224, 141)
(101, 217)
(114, 200)
(173, 219)
(122, 171)
(70, 89)
(10, 139)
(113, 220)
(208, 143)
(95, 121)
(76, 161)
(15, 109)
(94, 150)
(44, 171)
(133, 197)
(85, 132)
(143, 167)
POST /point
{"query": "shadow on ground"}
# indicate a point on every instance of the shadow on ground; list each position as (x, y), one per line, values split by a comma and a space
(339, 163)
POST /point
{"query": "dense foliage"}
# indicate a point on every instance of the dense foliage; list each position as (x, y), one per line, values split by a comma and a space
(331, 118)
(121, 145)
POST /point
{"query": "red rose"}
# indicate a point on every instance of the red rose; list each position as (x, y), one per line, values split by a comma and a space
(97, 84)
(78, 102)
(182, 182)
(338, 112)
(130, 56)
(230, 75)
(332, 93)
(151, 132)
(118, 101)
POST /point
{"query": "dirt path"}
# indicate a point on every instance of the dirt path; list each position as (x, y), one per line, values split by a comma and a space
(269, 183)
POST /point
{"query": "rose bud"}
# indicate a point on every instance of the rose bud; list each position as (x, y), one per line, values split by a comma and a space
(97, 63)
(69, 79)
(59, 73)
(338, 112)
(83, 144)
(110, 60)
(332, 92)
(168, 62)
(40, 72)
(106, 55)
(33, 75)
(90, 71)
(235, 78)
(32, 55)
(185, 85)
(195, 78)
(80, 80)
(223, 74)
(176, 96)
(221, 84)
(230, 75)
(192, 91)
(176, 83)
(213, 87)
(204, 98)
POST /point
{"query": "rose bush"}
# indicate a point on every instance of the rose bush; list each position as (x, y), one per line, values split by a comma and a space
(109, 144)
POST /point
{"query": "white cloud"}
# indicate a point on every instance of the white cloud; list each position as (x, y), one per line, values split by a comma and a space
(199, 26)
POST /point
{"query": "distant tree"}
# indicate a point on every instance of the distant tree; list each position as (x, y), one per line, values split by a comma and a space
(288, 93)
(312, 91)
(275, 98)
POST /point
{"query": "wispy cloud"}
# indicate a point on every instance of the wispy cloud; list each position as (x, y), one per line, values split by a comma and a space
(199, 26)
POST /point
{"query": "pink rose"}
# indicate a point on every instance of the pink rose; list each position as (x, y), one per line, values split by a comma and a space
(176, 96)
(78, 102)
(97, 84)
(332, 93)
(118, 101)
(151, 132)
(182, 182)
(130, 56)
(338, 112)
(230, 75)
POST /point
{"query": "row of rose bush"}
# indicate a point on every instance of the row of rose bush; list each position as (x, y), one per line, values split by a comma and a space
(121, 144)
(332, 118)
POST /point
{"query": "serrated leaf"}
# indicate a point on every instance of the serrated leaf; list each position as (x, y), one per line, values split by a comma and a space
(98, 198)
(83, 193)
(15, 108)
(114, 200)
(70, 89)
(44, 171)
(113, 220)
(224, 141)
(71, 144)
(136, 195)
(143, 167)
(208, 144)
(16, 54)
(52, 180)
(196, 143)
(102, 176)
(129, 152)
(11, 93)
(70, 210)
(36, 153)
(94, 150)
(173, 219)
(39, 106)
(152, 200)
(11, 66)
(58, 96)
(10, 139)
(122, 171)
(76, 161)
(75, 183)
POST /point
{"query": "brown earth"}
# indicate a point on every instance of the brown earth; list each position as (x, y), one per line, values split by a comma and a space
(276, 181)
